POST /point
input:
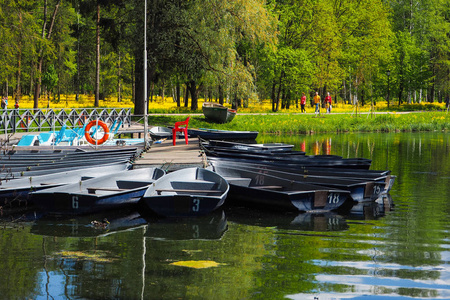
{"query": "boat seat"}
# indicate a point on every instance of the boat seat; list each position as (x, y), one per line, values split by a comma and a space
(196, 185)
(159, 191)
(133, 184)
(238, 181)
(92, 190)
(179, 128)
(268, 187)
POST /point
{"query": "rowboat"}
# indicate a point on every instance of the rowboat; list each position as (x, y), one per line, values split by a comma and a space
(98, 194)
(268, 148)
(186, 192)
(360, 189)
(215, 134)
(356, 174)
(18, 190)
(159, 132)
(16, 163)
(275, 193)
(218, 113)
(296, 159)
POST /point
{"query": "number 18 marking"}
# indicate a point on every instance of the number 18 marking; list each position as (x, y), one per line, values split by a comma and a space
(333, 198)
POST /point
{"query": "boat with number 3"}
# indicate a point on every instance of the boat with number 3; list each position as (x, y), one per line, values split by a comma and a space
(186, 192)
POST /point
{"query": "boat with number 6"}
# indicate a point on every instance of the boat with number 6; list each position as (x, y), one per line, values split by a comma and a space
(112, 191)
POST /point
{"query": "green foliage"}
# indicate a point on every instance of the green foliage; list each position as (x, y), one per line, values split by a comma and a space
(50, 78)
(310, 124)
(236, 49)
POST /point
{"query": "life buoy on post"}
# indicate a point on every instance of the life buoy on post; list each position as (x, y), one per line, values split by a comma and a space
(88, 136)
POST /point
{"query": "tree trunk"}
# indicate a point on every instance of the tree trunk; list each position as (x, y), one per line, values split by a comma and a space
(139, 108)
(163, 89)
(37, 87)
(178, 94)
(277, 98)
(97, 64)
(19, 71)
(119, 96)
(194, 92)
(272, 95)
(186, 95)
(283, 98)
(220, 94)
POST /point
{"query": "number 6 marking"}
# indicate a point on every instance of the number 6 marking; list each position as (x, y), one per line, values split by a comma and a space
(75, 202)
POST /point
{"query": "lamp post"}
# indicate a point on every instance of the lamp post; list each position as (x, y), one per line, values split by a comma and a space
(145, 76)
(388, 72)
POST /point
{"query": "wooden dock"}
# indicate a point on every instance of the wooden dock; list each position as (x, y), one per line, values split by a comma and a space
(172, 157)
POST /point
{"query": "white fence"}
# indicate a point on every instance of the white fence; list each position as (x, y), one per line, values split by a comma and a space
(14, 120)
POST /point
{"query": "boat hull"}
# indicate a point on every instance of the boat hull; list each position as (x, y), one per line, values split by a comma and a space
(218, 113)
(209, 134)
(360, 190)
(275, 193)
(79, 204)
(16, 191)
(186, 192)
(98, 194)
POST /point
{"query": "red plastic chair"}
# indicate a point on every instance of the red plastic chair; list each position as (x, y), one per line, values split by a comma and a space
(184, 129)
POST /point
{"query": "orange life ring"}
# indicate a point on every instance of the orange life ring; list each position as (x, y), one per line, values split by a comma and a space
(88, 136)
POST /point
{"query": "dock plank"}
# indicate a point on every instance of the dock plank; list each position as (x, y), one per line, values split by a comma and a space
(177, 157)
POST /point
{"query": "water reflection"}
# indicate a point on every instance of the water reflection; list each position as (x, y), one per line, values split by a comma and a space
(371, 210)
(81, 226)
(328, 221)
(209, 227)
(396, 247)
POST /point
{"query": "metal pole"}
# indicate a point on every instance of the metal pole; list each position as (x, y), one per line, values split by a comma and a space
(145, 76)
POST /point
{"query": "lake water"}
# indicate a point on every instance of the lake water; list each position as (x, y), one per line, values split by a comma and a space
(396, 248)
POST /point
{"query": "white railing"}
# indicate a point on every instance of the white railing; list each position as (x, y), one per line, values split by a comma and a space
(14, 120)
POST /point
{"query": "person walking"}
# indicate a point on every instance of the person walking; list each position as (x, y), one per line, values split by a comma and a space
(303, 102)
(5, 103)
(328, 102)
(317, 103)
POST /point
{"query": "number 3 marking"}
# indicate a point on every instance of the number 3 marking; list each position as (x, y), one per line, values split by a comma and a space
(196, 206)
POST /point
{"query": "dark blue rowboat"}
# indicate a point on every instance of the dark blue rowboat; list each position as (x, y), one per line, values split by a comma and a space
(16, 191)
(215, 134)
(186, 192)
(360, 189)
(275, 193)
(98, 194)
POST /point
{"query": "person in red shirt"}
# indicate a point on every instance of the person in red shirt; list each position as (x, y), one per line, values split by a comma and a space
(328, 102)
(303, 102)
